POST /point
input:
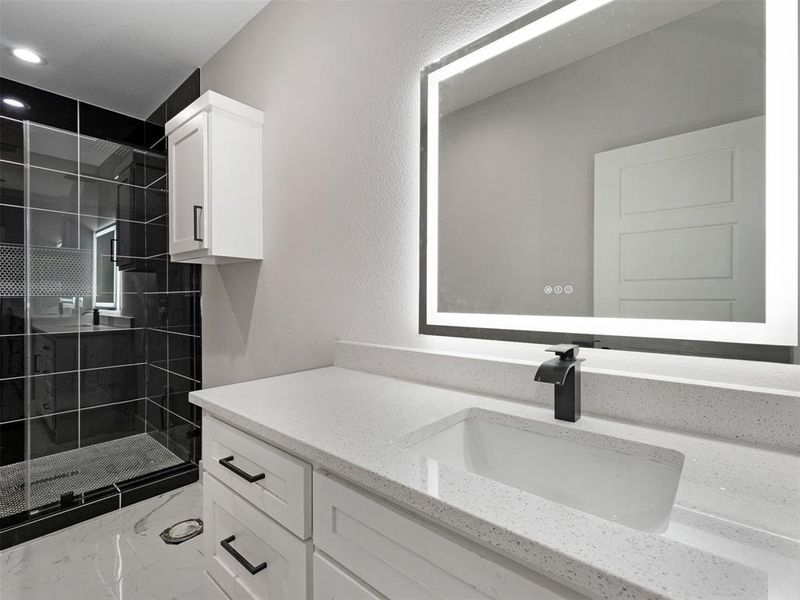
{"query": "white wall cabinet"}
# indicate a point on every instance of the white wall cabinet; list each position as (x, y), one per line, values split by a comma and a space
(215, 197)
(360, 548)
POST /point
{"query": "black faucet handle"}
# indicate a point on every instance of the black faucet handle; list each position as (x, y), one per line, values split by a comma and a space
(565, 351)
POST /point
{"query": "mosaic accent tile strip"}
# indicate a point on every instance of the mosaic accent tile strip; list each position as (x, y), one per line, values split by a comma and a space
(54, 271)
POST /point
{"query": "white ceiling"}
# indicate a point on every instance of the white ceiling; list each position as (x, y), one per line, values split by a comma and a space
(125, 55)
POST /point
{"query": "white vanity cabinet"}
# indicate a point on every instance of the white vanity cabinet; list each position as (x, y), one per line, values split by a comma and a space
(262, 541)
(215, 198)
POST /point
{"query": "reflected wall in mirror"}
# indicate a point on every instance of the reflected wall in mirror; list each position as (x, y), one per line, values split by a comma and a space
(618, 168)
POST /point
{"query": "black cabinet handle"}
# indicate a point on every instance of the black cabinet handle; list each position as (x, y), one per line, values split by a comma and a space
(197, 209)
(226, 543)
(226, 462)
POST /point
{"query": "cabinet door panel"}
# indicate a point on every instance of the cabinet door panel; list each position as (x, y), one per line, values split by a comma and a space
(333, 583)
(403, 558)
(188, 186)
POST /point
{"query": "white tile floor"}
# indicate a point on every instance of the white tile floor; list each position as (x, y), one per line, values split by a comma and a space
(118, 556)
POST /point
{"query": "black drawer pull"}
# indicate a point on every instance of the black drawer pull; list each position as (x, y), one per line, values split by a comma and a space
(226, 462)
(226, 543)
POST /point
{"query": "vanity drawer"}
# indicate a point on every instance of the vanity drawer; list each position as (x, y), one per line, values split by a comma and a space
(403, 558)
(270, 479)
(332, 583)
(248, 554)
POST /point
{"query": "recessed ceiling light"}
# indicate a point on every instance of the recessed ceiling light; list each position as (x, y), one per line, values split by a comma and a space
(14, 103)
(27, 55)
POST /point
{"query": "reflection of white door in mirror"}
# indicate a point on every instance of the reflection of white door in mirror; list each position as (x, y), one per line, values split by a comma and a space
(679, 226)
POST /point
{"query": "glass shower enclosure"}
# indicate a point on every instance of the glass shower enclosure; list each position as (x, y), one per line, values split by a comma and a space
(84, 387)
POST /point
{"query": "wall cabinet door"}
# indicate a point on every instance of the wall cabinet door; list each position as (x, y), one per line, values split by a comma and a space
(188, 160)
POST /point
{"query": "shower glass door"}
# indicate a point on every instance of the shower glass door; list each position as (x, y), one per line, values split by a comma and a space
(84, 409)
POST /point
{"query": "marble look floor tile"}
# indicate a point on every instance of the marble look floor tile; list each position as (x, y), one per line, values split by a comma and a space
(116, 556)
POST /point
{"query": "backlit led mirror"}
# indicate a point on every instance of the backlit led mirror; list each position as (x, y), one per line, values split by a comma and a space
(616, 169)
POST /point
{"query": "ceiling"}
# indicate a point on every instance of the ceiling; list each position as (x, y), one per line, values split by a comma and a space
(125, 55)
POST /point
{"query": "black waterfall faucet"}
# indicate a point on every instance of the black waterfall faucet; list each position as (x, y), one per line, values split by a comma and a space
(564, 372)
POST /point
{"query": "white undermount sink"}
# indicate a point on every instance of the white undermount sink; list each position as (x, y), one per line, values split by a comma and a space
(620, 480)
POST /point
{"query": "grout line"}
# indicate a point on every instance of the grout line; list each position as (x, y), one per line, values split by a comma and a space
(73, 371)
(173, 413)
(152, 183)
(92, 177)
(76, 214)
(78, 410)
(154, 365)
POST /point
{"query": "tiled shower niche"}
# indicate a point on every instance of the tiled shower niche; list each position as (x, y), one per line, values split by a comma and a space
(99, 332)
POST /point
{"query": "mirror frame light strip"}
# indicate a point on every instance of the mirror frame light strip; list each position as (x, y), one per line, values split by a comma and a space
(781, 322)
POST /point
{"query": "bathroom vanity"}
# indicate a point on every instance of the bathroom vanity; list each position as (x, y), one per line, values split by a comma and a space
(335, 483)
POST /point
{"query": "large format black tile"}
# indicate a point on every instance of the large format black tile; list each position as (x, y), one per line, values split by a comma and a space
(181, 359)
(51, 394)
(52, 190)
(113, 200)
(12, 184)
(155, 203)
(129, 236)
(183, 277)
(111, 422)
(157, 347)
(52, 148)
(155, 167)
(157, 389)
(12, 399)
(12, 225)
(12, 140)
(111, 385)
(150, 276)
(105, 124)
(43, 107)
(53, 434)
(158, 118)
(175, 396)
(178, 397)
(157, 232)
(182, 312)
(12, 356)
(12, 442)
(176, 433)
(107, 160)
(112, 348)
(186, 93)
(157, 310)
(50, 229)
(132, 306)
(53, 353)
(12, 315)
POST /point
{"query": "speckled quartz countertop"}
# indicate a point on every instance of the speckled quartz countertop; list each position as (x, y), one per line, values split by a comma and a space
(733, 533)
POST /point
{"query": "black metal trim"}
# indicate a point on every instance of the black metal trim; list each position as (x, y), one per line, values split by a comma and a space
(226, 462)
(226, 544)
(758, 352)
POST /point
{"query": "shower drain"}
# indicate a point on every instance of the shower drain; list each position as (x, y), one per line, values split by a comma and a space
(182, 531)
(21, 486)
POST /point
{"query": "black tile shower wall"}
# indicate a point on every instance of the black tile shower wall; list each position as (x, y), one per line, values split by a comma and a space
(64, 382)
(172, 305)
(75, 172)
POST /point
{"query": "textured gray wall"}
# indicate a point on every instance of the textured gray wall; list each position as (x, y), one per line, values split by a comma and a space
(339, 86)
